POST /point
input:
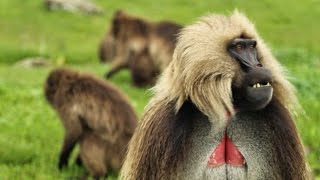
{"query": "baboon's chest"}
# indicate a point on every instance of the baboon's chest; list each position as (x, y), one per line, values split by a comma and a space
(243, 157)
(200, 163)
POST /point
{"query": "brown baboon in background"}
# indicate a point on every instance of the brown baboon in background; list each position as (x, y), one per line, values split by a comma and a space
(95, 114)
(222, 109)
(131, 37)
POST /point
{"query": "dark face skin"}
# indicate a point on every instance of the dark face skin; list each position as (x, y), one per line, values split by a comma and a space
(54, 82)
(255, 90)
(51, 87)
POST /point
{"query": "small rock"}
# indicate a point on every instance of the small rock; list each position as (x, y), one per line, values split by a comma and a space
(82, 6)
(32, 62)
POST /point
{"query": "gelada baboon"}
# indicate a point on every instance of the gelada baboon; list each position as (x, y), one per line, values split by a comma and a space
(221, 110)
(96, 115)
(131, 37)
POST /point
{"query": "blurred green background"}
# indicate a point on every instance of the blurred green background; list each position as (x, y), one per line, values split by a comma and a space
(30, 131)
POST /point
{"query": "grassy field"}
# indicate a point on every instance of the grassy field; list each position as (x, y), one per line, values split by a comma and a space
(30, 131)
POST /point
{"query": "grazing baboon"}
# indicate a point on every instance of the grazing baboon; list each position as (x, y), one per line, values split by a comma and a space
(96, 115)
(222, 110)
(130, 37)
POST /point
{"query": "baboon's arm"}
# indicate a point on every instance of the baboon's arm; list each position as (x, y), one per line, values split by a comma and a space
(72, 136)
(116, 66)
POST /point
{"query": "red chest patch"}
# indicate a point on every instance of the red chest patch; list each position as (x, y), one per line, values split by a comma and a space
(226, 153)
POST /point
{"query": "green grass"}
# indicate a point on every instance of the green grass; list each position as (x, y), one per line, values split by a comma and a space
(31, 133)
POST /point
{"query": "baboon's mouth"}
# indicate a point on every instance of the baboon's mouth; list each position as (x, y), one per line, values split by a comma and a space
(255, 91)
(261, 84)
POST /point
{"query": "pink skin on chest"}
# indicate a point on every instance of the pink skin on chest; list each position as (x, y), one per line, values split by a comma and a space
(226, 153)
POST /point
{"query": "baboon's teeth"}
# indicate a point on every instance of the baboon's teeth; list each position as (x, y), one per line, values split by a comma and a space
(258, 85)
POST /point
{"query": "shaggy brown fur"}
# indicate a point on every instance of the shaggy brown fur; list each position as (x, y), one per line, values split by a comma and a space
(141, 75)
(130, 37)
(106, 49)
(185, 119)
(95, 114)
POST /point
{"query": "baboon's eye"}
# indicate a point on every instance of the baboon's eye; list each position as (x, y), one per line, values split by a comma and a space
(239, 47)
(253, 45)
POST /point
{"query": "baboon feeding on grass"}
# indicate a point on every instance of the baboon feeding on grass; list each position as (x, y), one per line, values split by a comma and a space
(130, 37)
(222, 110)
(96, 115)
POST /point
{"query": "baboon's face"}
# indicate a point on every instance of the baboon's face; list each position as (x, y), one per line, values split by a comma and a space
(251, 87)
(56, 80)
(51, 86)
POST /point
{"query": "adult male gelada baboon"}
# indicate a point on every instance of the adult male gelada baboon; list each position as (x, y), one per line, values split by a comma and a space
(131, 37)
(96, 115)
(222, 110)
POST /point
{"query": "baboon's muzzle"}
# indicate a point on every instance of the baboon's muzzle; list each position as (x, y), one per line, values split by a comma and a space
(255, 91)
(258, 86)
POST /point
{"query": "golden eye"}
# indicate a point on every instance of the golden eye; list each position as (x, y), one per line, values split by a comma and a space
(239, 47)
(252, 46)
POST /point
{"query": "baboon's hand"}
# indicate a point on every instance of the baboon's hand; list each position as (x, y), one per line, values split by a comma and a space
(79, 161)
